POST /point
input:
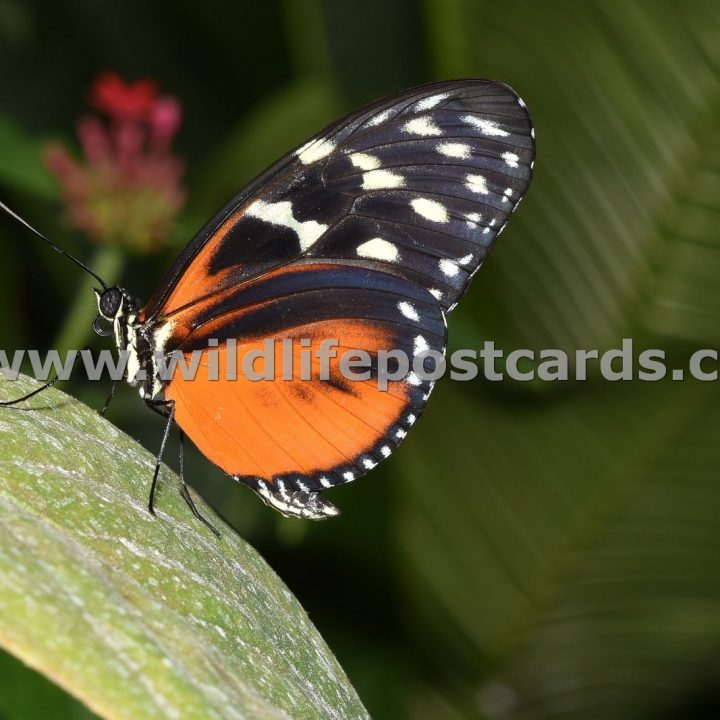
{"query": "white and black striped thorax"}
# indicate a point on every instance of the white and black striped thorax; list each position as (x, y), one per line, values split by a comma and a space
(134, 339)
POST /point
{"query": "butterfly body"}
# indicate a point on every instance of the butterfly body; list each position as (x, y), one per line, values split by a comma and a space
(368, 234)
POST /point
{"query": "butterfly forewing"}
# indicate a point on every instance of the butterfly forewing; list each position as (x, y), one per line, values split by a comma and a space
(421, 182)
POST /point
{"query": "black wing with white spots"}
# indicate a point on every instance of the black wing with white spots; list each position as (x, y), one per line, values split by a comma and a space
(420, 183)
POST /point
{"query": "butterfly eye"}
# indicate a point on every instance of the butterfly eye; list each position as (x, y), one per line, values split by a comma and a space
(109, 303)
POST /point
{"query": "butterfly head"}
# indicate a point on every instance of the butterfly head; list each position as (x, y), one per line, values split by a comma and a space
(113, 304)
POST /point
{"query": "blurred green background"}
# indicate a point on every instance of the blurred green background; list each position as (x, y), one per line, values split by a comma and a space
(532, 551)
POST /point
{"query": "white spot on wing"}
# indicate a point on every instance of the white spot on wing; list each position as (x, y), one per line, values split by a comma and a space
(315, 150)
(411, 419)
(437, 294)
(465, 260)
(408, 310)
(385, 451)
(379, 118)
(422, 126)
(348, 476)
(378, 179)
(473, 219)
(280, 213)
(364, 161)
(420, 345)
(325, 482)
(430, 209)
(448, 267)
(507, 194)
(455, 150)
(511, 159)
(476, 183)
(400, 433)
(368, 464)
(378, 249)
(430, 102)
(486, 127)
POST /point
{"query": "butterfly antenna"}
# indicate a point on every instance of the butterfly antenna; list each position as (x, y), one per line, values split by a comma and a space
(53, 245)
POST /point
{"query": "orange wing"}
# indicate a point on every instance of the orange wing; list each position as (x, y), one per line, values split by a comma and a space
(290, 438)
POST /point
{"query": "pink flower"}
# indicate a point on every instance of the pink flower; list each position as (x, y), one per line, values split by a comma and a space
(133, 101)
(165, 119)
(126, 189)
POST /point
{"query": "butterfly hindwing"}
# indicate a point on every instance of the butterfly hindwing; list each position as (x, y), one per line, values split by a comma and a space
(291, 436)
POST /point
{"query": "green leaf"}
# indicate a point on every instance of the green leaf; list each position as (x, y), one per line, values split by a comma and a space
(561, 550)
(140, 616)
(22, 167)
(618, 230)
(567, 548)
(683, 299)
(307, 42)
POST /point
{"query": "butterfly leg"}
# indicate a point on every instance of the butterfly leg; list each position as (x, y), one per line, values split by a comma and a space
(109, 398)
(185, 490)
(10, 403)
(48, 384)
(166, 408)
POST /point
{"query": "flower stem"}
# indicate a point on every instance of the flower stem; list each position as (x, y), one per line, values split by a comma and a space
(108, 264)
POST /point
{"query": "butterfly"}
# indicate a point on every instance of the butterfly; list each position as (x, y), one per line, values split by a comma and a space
(369, 233)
